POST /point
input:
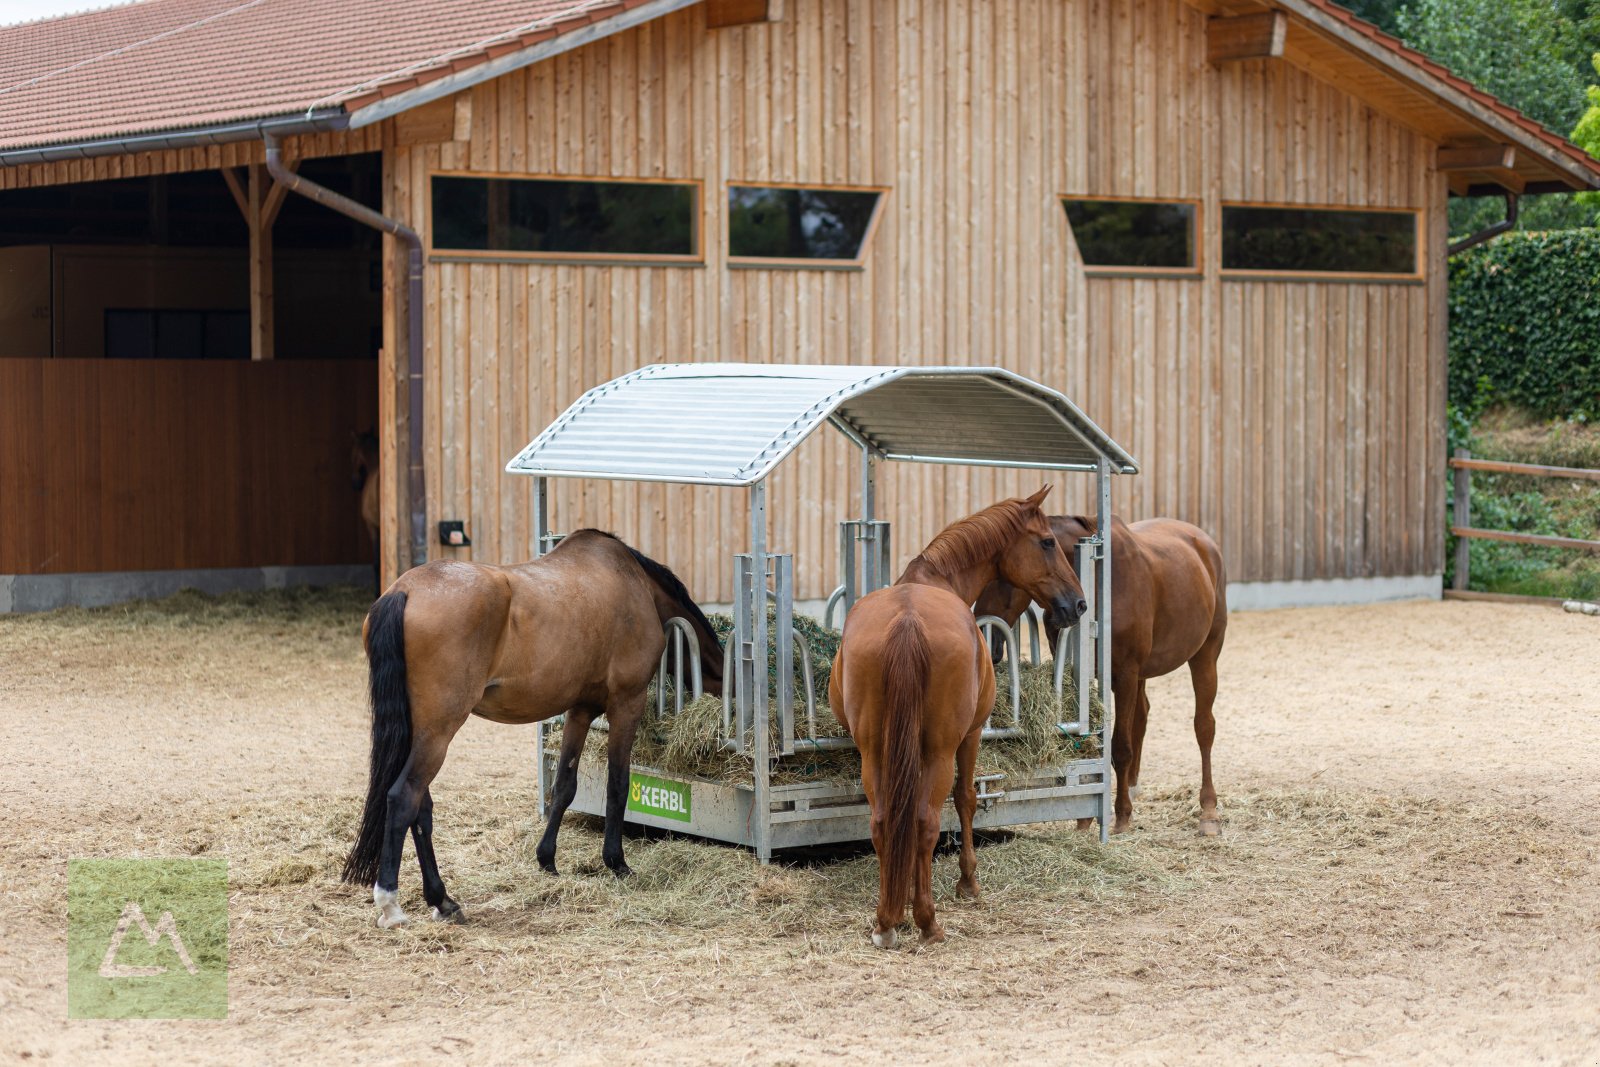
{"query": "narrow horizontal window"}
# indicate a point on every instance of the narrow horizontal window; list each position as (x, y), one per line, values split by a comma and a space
(565, 217)
(799, 226)
(1134, 234)
(1293, 240)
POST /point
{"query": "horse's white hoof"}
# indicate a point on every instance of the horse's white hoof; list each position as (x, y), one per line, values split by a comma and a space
(885, 939)
(390, 914)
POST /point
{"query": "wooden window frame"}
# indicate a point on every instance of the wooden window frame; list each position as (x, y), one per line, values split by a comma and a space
(1419, 264)
(792, 263)
(592, 259)
(1196, 237)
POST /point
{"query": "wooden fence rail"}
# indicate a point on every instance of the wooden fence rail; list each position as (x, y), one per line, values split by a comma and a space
(1462, 464)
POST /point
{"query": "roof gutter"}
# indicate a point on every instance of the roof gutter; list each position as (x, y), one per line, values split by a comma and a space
(416, 485)
(320, 121)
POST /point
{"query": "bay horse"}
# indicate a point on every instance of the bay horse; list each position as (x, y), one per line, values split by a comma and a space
(579, 630)
(1168, 607)
(364, 480)
(913, 684)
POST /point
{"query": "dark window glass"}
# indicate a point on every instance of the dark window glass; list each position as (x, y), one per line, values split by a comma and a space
(1307, 239)
(536, 215)
(144, 333)
(1133, 233)
(765, 223)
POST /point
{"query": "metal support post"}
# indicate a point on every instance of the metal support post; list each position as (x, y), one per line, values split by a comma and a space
(1102, 618)
(760, 755)
(783, 602)
(541, 515)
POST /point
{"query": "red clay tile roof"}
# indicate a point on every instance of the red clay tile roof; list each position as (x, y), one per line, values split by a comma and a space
(1504, 110)
(172, 64)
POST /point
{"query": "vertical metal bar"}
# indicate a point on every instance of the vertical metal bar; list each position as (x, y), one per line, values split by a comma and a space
(1462, 517)
(678, 673)
(869, 485)
(744, 705)
(540, 774)
(885, 556)
(1103, 638)
(783, 580)
(1081, 643)
(762, 769)
(847, 563)
(541, 515)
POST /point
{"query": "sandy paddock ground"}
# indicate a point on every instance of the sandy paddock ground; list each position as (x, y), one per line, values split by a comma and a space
(1407, 872)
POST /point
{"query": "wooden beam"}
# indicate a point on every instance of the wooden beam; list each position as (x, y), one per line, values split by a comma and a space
(721, 14)
(1477, 157)
(275, 198)
(260, 223)
(1460, 184)
(237, 190)
(1246, 37)
(432, 123)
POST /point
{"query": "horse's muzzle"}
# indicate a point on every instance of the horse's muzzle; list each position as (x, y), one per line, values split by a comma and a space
(1065, 612)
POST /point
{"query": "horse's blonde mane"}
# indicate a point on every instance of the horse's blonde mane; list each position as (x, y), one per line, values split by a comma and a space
(977, 537)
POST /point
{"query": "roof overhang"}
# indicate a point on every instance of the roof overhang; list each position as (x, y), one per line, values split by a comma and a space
(733, 423)
(1338, 48)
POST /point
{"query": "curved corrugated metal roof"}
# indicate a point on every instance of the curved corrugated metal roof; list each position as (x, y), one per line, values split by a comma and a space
(732, 423)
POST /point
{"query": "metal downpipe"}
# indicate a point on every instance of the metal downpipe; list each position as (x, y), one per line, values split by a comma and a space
(1507, 223)
(416, 484)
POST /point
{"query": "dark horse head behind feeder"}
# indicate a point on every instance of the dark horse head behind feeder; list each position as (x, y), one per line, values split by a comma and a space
(577, 631)
(913, 684)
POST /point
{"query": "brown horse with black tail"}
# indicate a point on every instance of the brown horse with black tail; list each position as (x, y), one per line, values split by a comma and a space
(577, 631)
(1169, 607)
(913, 684)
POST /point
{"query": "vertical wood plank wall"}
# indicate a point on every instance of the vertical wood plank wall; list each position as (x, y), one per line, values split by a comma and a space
(1299, 422)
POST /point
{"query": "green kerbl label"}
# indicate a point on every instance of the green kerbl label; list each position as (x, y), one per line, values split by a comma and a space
(661, 797)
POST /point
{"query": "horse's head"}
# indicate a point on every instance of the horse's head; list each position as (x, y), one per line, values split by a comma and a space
(1008, 602)
(1036, 565)
(363, 457)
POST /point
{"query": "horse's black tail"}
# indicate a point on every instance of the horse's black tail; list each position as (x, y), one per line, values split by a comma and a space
(391, 730)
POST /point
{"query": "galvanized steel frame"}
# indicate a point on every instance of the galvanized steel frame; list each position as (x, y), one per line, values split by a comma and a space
(765, 817)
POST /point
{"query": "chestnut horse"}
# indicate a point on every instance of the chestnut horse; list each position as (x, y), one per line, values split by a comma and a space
(913, 684)
(1168, 607)
(364, 480)
(578, 631)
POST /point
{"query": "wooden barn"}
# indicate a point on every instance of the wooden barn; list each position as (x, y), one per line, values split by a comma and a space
(1217, 225)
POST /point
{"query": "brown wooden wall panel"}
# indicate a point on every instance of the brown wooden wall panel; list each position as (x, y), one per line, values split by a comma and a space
(111, 465)
(1299, 421)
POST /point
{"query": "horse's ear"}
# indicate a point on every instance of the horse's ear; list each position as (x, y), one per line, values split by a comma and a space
(1038, 498)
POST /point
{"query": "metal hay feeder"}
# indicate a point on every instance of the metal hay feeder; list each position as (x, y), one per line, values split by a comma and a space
(732, 424)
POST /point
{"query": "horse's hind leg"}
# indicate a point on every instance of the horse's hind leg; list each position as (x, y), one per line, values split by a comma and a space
(623, 719)
(573, 734)
(405, 799)
(1203, 672)
(432, 885)
(1141, 719)
(966, 798)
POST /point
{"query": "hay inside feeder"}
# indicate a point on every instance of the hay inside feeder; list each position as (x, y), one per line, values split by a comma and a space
(690, 743)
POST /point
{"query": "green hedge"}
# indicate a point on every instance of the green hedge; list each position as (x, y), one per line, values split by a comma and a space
(1525, 324)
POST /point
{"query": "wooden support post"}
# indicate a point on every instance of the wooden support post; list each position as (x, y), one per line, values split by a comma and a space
(1462, 517)
(259, 213)
(724, 13)
(1246, 37)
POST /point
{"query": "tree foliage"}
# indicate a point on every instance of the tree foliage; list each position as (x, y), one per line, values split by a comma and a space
(1525, 324)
